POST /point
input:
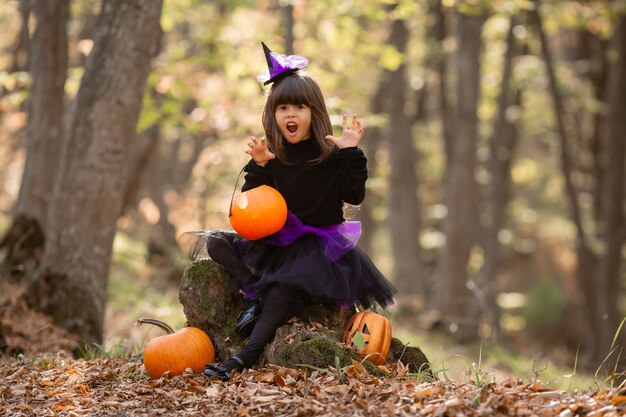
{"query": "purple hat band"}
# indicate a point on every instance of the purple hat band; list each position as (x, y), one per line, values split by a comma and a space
(280, 65)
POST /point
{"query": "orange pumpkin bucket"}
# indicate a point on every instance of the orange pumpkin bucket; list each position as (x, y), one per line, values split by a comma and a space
(374, 331)
(257, 213)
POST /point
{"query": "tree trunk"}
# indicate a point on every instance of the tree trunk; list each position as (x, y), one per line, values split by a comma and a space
(370, 143)
(586, 257)
(44, 134)
(448, 117)
(21, 50)
(612, 214)
(593, 49)
(460, 192)
(71, 282)
(170, 171)
(287, 11)
(496, 192)
(163, 234)
(404, 211)
(141, 155)
(436, 69)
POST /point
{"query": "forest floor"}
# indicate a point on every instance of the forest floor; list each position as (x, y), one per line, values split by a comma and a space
(65, 386)
(42, 380)
(39, 378)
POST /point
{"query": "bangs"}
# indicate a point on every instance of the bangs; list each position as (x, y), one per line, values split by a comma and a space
(298, 89)
(290, 90)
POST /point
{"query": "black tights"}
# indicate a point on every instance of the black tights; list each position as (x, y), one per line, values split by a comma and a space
(220, 248)
(280, 302)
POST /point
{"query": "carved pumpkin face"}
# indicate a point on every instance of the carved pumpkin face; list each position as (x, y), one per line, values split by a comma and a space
(258, 213)
(376, 335)
(189, 347)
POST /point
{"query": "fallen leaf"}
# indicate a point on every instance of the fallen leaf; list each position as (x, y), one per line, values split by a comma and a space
(538, 387)
(279, 380)
(618, 399)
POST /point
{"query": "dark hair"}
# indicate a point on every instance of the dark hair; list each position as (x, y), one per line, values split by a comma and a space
(298, 89)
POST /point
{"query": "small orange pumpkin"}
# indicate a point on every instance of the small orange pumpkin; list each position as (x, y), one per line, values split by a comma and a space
(189, 347)
(376, 333)
(258, 212)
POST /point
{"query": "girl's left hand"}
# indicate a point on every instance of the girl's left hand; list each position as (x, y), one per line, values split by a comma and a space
(351, 135)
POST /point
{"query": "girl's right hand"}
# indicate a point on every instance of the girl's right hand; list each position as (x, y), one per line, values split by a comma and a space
(259, 151)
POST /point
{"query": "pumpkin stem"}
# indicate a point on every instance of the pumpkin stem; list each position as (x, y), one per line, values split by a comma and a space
(164, 326)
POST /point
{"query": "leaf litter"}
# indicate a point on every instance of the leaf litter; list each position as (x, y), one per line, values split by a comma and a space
(76, 387)
(53, 385)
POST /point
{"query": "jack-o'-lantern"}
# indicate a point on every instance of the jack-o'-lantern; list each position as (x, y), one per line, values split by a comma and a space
(369, 334)
(258, 212)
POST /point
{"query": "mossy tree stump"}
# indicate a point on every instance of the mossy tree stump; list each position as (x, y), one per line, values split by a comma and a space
(212, 301)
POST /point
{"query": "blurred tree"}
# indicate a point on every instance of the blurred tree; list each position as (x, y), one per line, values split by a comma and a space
(599, 245)
(496, 192)
(612, 227)
(434, 109)
(593, 50)
(439, 33)
(161, 178)
(404, 212)
(83, 26)
(371, 144)
(460, 199)
(25, 239)
(287, 10)
(141, 155)
(184, 128)
(21, 49)
(71, 282)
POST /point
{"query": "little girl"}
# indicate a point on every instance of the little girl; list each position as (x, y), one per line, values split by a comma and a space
(315, 255)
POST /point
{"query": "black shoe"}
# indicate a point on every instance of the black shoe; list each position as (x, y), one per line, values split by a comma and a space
(219, 371)
(248, 318)
(223, 372)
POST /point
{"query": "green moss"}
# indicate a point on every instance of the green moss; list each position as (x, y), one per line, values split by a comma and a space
(201, 269)
(212, 302)
(319, 352)
(197, 273)
(411, 356)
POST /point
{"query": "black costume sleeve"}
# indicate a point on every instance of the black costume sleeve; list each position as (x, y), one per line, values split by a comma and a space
(257, 175)
(353, 167)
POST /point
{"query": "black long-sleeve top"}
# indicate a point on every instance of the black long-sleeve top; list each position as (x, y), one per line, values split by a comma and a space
(313, 192)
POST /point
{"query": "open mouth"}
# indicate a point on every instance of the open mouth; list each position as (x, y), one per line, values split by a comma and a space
(292, 127)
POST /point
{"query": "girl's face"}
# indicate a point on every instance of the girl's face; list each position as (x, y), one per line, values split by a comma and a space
(294, 121)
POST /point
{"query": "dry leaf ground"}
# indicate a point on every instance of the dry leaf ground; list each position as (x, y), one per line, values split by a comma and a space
(33, 383)
(64, 386)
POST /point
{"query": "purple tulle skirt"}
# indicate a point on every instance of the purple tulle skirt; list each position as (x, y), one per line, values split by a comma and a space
(322, 261)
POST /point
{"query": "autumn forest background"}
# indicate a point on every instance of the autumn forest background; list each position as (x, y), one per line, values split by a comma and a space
(494, 135)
